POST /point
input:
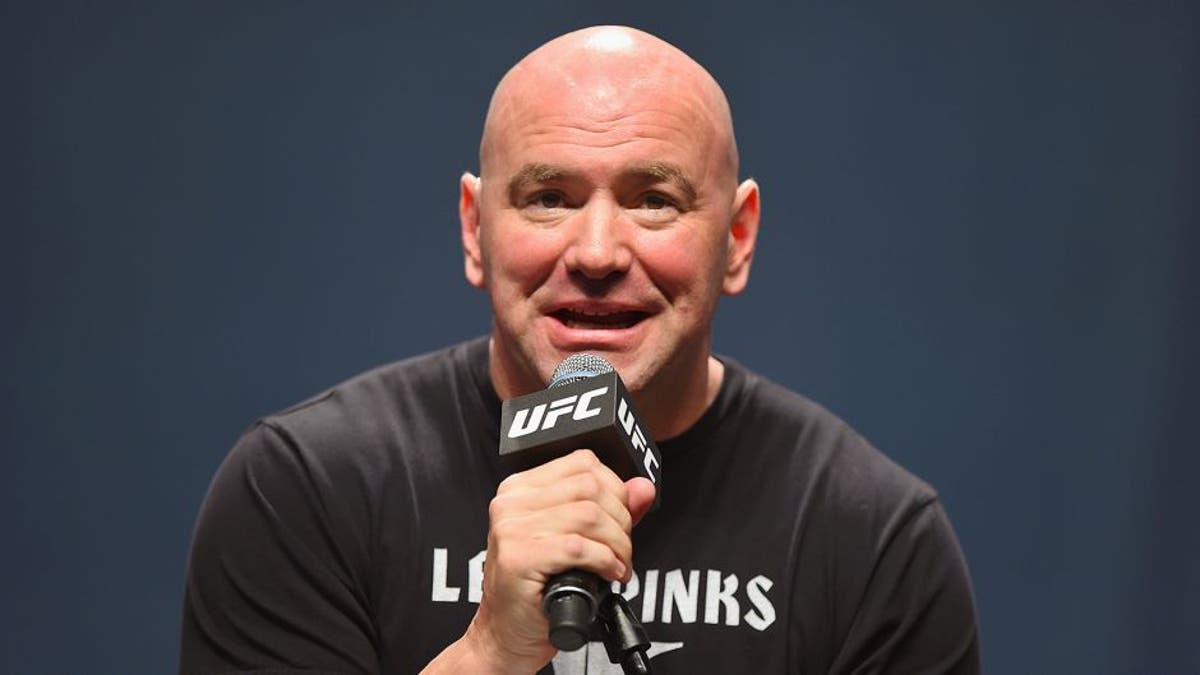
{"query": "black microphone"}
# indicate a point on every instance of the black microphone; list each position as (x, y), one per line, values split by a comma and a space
(585, 406)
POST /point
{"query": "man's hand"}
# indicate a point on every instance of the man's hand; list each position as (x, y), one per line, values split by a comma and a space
(571, 513)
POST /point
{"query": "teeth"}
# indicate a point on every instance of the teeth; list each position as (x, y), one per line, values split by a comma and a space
(595, 324)
(598, 320)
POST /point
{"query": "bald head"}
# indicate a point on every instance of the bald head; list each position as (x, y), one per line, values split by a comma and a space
(607, 218)
(600, 74)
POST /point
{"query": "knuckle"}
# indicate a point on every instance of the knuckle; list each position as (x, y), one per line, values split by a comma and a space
(574, 546)
(497, 508)
(586, 458)
(589, 514)
(587, 485)
(507, 484)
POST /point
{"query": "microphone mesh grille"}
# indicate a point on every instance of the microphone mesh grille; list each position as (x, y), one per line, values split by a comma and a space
(577, 367)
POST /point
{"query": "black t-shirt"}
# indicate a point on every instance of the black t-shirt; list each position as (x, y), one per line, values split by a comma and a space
(347, 535)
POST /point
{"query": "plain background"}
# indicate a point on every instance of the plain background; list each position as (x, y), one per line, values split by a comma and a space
(980, 246)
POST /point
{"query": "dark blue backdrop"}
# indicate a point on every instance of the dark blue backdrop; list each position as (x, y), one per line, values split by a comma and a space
(980, 246)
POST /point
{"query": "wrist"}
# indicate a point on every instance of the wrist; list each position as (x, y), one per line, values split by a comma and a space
(462, 656)
(488, 652)
(479, 652)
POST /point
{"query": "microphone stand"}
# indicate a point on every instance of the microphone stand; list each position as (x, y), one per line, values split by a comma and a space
(624, 637)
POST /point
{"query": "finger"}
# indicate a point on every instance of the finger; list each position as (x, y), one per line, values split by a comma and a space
(586, 519)
(578, 487)
(639, 496)
(574, 551)
(579, 461)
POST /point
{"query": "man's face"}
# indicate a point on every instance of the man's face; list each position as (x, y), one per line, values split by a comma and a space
(604, 226)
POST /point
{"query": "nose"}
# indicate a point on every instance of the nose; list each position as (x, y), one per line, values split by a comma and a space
(599, 248)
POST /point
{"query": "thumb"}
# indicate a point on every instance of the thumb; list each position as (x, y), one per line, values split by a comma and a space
(641, 495)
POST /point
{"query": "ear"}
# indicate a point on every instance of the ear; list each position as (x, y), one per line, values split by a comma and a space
(743, 231)
(470, 187)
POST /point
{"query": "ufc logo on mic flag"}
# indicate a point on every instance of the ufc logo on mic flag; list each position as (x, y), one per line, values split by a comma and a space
(595, 412)
(526, 420)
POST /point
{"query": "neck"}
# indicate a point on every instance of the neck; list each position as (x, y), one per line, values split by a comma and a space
(670, 404)
(672, 409)
(507, 382)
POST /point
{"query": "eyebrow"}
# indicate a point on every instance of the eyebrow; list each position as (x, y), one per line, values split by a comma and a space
(535, 173)
(642, 172)
(663, 172)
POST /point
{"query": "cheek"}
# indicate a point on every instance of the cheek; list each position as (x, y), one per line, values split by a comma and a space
(686, 266)
(519, 259)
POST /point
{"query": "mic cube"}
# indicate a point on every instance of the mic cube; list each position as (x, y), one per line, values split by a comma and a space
(596, 413)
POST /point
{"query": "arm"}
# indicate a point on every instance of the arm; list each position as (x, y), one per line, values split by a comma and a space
(279, 564)
(917, 613)
(570, 513)
(275, 575)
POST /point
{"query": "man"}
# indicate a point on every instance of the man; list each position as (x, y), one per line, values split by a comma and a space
(347, 534)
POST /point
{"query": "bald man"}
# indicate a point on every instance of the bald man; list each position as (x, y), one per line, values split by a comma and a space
(348, 534)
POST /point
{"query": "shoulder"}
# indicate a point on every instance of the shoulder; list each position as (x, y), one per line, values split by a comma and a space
(373, 401)
(872, 527)
(834, 461)
(358, 429)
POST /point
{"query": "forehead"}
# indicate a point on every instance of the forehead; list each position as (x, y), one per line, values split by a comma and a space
(566, 116)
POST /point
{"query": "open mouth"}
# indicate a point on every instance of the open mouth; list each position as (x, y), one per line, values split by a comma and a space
(572, 318)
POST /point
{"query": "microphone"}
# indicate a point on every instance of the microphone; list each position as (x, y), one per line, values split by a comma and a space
(585, 406)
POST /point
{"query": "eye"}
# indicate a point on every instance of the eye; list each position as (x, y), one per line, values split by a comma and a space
(655, 201)
(548, 200)
(656, 208)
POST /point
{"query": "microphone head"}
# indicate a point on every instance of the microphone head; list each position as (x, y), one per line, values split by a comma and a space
(578, 367)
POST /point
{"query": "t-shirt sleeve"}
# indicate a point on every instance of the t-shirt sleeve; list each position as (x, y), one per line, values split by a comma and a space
(917, 614)
(275, 576)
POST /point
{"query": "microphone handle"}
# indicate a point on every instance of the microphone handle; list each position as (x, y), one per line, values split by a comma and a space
(570, 602)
